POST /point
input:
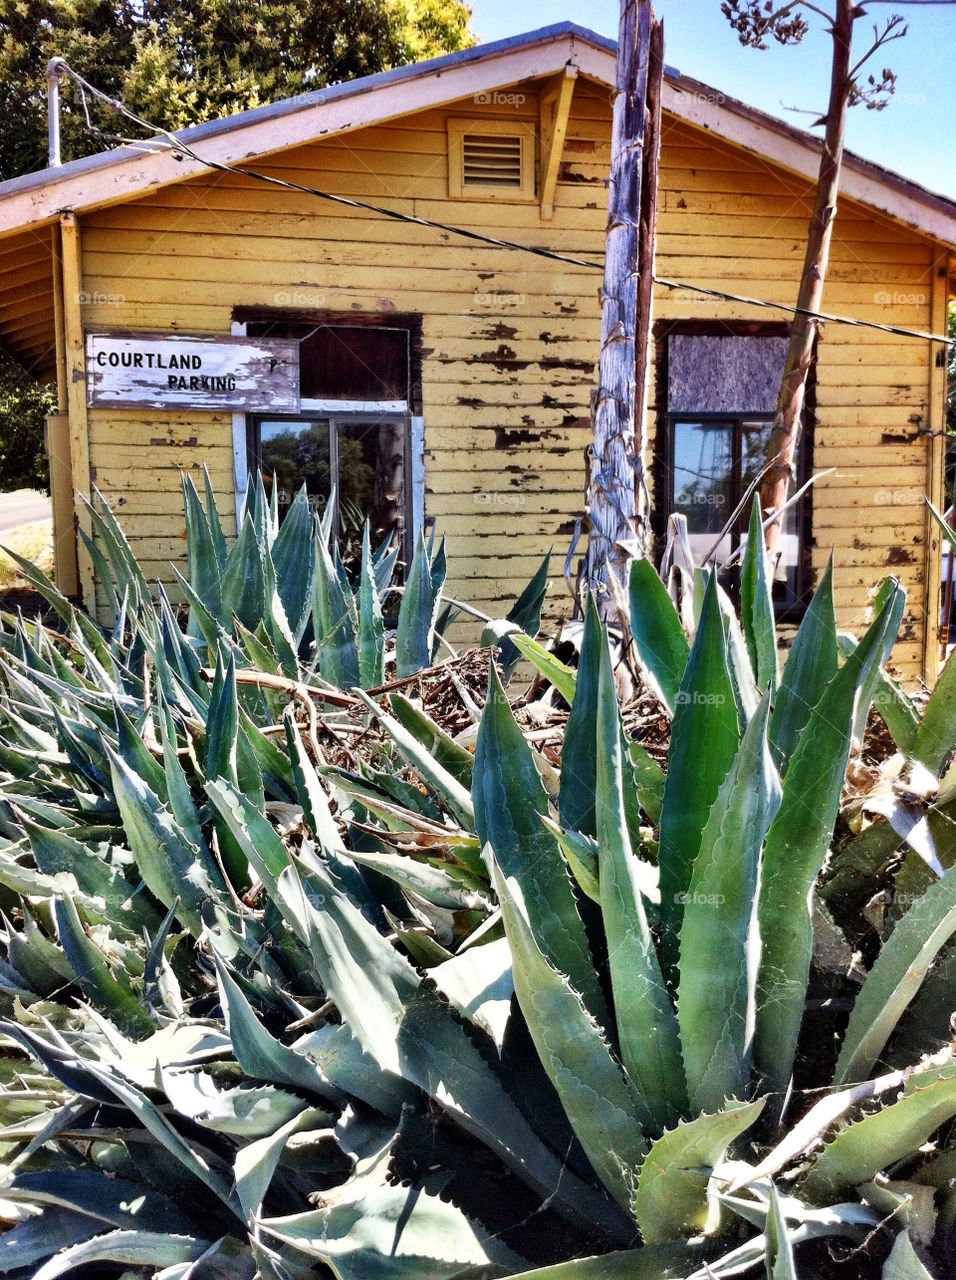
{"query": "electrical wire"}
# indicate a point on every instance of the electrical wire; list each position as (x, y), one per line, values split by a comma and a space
(183, 149)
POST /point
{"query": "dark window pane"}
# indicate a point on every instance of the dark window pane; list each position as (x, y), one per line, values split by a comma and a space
(703, 482)
(297, 453)
(344, 362)
(371, 480)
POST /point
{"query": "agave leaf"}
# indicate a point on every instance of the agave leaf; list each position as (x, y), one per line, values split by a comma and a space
(294, 563)
(646, 1023)
(130, 745)
(106, 1199)
(796, 847)
(446, 786)
(560, 675)
(148, 1114)
(252, 832)
(704, 740)
(249, 1111)
(659, 640)
(603, 1110)
(576, 795)
(310, 790)
(407, 1233)
(756, 606)
(256, 1163)
(400, 1023)
(433, 884)
(205, 567)
(581, 852)
(648, 780)
(243, 581)
(417, 613)
(259, 1054)
(38, 960)
(452, 757)
(896, 976)
(170, 866)
(222, 725)
(525, 614)
(903, 1262)
(675, 1261)
(716, 1002)
(674, 1195)
(371, 629)
(741, 672)
(780, 1260)
(136, 1248)
(332, 609)
(880, 1139)
(34, 1239)
(353, 1072)
(811, 664)
(124, 565)
(56, 852)
(510, 801)
(97, 982)
(936, 733)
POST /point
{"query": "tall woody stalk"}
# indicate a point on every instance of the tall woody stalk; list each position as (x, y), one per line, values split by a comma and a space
(788, 414)
(753, 21)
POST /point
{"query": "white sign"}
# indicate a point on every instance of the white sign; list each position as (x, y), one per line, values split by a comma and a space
(168, 371)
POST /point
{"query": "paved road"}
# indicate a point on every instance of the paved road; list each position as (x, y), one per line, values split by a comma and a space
(22, 507)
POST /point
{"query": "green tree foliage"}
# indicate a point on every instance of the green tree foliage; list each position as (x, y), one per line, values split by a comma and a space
(23, 406)
(180, 62)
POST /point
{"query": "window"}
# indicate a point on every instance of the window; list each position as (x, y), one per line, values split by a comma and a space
(491, 160)
(362, 458)
(720, 390)
(358, 435)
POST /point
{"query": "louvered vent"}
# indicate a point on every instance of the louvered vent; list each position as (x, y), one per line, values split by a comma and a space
(491, 160)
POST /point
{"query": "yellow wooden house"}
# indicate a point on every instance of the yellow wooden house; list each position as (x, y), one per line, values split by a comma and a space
(193, 314)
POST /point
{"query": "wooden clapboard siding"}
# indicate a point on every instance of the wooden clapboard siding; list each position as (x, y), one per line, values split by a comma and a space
(510, 340)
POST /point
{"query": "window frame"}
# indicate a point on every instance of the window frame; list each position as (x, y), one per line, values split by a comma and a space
(662, 466)
(354, 413)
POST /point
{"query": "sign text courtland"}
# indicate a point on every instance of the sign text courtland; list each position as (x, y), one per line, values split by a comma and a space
(166, 371)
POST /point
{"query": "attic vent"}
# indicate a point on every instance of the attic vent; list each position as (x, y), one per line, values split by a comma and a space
(491, 162)
(491, 159)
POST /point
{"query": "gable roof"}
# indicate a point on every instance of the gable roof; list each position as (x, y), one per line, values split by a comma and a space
(32, 203)
(126, 172)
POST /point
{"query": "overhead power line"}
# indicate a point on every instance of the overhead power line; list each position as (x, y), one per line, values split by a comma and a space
(178, 146)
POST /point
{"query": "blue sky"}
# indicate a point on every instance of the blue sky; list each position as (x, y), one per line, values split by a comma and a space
(915, 134)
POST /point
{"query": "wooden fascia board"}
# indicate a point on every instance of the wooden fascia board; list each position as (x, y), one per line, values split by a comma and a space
(131, 176)
(704, 110)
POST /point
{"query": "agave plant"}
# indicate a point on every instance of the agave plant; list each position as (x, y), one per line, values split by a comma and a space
(440, 1015)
